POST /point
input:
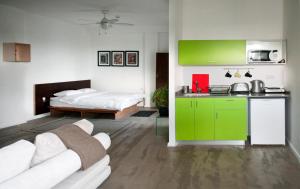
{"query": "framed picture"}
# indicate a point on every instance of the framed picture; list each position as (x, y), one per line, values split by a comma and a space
(117, 58)
(103, 58)
(132, 58)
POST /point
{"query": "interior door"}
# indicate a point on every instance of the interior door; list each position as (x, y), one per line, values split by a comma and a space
(162, 69)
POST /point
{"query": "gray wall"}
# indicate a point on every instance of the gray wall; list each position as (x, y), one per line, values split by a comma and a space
(292, 33)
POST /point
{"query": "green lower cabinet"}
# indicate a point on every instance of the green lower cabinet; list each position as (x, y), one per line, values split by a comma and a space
(185, 128)
(230, 124)
(231, 119)
(204, 119)
(211, 118)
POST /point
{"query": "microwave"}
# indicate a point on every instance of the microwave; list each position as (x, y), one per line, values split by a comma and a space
(264, 56)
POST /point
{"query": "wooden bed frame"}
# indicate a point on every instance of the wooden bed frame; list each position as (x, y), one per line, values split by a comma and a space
(43, 93)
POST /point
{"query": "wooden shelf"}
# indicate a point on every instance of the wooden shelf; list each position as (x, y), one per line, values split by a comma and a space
(16, 52)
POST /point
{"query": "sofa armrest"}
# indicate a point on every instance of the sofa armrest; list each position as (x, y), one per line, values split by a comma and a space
(46, 174)
(104, 139)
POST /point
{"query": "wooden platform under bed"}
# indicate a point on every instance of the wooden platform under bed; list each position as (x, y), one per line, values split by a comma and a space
(43, 93)
(114, 114)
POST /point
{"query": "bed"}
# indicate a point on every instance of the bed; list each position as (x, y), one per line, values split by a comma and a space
(105, 104)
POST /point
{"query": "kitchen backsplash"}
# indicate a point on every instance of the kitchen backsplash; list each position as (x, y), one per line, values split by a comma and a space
(273, 76)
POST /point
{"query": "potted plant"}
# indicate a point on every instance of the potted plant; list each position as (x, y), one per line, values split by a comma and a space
(161, 99)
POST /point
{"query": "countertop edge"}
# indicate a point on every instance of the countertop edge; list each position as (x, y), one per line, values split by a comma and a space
(179, 94)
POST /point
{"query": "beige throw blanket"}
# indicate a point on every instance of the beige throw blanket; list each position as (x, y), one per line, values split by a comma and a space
(89, 149)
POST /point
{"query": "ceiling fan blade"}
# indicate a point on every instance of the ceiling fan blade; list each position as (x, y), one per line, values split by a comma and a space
(113, 21)
(94, 23)
(124, 24)
(86, 20)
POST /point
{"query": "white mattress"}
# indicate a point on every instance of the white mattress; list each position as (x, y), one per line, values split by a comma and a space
(98, 100)
(56, 103)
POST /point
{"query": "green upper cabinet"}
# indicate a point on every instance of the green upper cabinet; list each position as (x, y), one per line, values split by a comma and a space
(211, 52)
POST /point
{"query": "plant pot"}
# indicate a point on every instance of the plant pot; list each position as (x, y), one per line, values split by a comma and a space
(163, 111)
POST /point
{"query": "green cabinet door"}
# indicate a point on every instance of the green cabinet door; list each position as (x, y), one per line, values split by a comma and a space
(185, 119)
(231, 119)
(211, 52)
(230, 52)
(204, 119)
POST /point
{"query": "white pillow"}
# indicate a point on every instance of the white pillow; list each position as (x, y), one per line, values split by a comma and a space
(85, 125)
(15, 158)
(67, 93)
(49, 145)
(87, 90)
(104, 139)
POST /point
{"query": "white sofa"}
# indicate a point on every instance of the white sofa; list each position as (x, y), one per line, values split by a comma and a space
(46, 164)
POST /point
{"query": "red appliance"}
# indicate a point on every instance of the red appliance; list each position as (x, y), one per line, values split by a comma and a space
(203, 82)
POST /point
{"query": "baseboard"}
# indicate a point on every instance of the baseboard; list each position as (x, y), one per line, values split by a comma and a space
(213, 142)
(40, 116)
(172, 144)
(295, 152)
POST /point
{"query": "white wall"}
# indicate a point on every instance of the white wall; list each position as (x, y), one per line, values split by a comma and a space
(273, 76)
(292, 26)
(233, 19)
(59, 52)
(128, 79)
(230, 19)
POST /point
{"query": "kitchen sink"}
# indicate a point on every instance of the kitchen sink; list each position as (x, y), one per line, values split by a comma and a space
(195, 94)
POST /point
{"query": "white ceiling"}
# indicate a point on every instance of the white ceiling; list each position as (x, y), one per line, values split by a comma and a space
(138, 12)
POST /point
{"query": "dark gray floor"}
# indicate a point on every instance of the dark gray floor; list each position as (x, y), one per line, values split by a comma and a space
(139, 159)
(142, 160)
(30, 129)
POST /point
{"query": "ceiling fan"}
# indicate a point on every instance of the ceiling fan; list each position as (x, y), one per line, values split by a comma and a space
(106, 23)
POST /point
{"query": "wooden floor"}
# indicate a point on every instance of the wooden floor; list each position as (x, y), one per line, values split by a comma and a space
(141, 160)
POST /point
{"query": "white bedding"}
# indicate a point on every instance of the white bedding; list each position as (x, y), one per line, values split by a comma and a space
(99, 100)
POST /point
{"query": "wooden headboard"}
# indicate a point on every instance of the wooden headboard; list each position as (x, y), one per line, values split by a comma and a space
(43, 92)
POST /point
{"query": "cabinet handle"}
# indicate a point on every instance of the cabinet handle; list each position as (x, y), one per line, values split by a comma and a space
(191, 104)
(196, 104)
(217, 115)
(212, 61)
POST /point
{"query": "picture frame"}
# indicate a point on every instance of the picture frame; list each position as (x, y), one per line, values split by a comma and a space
(132, 58)
(104, 58)
(117, 58)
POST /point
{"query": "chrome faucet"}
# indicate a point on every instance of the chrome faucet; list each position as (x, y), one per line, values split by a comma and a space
(198, 89)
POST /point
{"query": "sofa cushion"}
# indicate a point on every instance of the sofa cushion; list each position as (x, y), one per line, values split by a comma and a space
(46, 174)
(81, 178)
(15, 159)
(49, 145)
